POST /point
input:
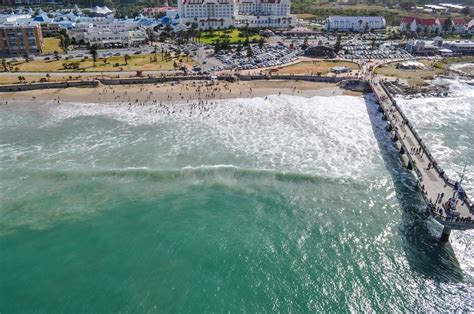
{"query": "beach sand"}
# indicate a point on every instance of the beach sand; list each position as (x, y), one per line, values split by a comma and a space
(179, 92)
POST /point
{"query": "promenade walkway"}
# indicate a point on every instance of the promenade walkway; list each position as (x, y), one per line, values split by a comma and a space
(446, 200)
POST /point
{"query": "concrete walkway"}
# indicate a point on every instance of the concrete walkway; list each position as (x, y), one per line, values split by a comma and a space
(431, 179)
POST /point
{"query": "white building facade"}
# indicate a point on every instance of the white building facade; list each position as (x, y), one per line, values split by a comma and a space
(109, 39)
(354, 23)
(208, 13)
(239, 13)
(264, 13)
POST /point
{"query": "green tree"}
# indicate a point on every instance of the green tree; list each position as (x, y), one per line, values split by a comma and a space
(373, 44)
(217, 46)
(64, 40)
(466, 11)
(305, 45)
(249, 52)
(447, 24)
(239, 48)
(93, 52)
(338, 46)
(261, 41)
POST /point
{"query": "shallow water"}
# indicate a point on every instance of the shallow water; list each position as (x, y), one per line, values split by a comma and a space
(252, 205)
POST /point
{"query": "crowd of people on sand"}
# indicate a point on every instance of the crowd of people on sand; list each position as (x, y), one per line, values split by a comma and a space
(187, 92)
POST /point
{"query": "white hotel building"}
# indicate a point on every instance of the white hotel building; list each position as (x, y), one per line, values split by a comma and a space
(354, 23)
(239, 13)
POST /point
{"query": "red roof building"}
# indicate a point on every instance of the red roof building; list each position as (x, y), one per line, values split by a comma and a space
(413, 24)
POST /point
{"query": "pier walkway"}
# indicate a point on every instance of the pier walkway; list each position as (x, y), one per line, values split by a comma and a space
(454, 210)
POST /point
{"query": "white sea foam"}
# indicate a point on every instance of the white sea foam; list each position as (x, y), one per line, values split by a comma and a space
(329, 136)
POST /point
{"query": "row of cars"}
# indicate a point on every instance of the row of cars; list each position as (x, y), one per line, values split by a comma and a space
(265, 56)
(369, 51)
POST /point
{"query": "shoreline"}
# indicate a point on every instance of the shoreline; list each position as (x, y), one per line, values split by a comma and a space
(179, 92)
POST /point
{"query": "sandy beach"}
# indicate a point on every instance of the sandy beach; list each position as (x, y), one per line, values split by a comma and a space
(178, 92)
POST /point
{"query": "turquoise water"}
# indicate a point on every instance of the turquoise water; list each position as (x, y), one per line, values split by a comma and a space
(284, 204)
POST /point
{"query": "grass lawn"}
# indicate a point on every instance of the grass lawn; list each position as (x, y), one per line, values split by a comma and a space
(51, 45)
(305, 16)
(446, 62)
(116, 64)
(414, 77)
(208, 37)
(313, 67)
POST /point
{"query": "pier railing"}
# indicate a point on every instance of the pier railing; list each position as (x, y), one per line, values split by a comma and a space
(438, 169)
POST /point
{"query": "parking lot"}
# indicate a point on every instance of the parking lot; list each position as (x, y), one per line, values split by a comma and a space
(363, 50)
(267, 56)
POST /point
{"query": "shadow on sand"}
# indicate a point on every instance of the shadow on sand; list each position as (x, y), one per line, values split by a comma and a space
(420, 234)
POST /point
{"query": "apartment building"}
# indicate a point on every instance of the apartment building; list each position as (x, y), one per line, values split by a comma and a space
(21, 39)
(264, 13)
(239, 13)
(208, 13)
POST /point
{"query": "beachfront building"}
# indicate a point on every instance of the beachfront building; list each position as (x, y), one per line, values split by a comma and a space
(423, 47)
(208, 14)
(264, 13)
(108, 39)
(440, 47)
(86, 33)
(215, 14)
(354, 23)
(19, 39)
(458, 47)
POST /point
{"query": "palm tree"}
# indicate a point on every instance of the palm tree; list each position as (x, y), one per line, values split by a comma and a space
(93, 52)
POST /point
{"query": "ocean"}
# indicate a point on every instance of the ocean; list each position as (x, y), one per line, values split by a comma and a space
(244, 205)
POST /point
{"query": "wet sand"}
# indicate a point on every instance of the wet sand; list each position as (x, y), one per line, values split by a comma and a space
(182, 92)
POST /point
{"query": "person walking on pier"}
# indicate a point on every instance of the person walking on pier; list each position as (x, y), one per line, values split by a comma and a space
(441, 198)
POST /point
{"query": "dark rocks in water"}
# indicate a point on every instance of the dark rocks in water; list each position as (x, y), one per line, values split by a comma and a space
(396, 88)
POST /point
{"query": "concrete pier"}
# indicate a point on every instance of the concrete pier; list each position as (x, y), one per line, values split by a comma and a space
(446, 200)
(446, 233)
